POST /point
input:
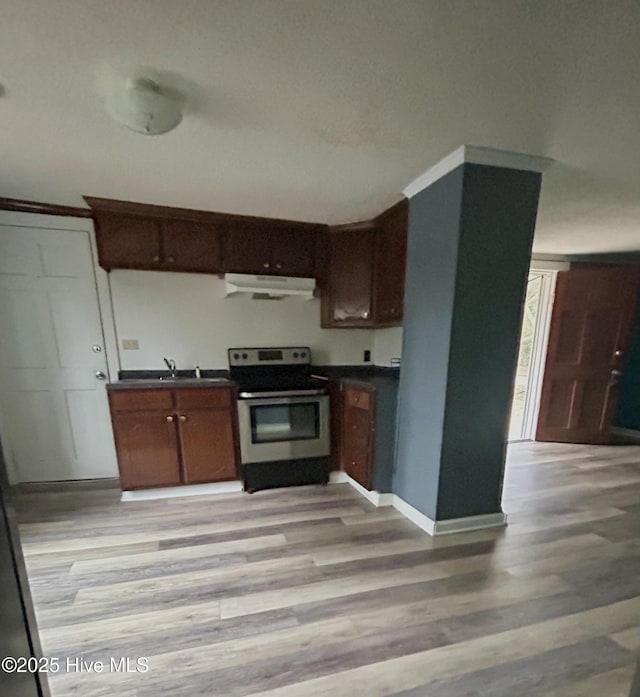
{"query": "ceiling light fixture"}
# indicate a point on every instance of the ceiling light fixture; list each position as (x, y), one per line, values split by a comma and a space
(145, 106)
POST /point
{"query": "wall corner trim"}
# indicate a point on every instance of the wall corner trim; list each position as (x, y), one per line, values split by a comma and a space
(475, 154)
(432, 527)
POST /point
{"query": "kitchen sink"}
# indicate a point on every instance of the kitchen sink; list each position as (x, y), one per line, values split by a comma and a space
(183, 380)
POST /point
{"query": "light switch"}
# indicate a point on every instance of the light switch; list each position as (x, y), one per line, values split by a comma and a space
(130, 344)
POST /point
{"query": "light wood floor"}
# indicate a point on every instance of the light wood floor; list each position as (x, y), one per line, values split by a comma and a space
(311, 591)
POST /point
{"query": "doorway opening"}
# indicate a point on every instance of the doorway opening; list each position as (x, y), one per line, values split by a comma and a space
(531, 354)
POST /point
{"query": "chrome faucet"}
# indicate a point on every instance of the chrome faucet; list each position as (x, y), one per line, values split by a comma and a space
(171, 364)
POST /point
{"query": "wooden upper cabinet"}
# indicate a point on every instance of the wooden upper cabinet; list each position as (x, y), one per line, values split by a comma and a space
(390, 264)
(248, 248)
(191, 246)
(137, 242)
(273, 249)
(347, 295)
(364, 271)
(293, 252)
(127, 241)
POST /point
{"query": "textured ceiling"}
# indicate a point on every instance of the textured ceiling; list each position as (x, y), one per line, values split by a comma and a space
(324, 110)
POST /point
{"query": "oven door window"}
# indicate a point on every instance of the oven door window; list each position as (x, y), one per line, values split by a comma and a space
(275, 423)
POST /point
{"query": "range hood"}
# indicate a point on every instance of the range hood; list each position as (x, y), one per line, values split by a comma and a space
(272, 287)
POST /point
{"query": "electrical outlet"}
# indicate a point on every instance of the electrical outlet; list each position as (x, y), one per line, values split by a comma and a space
(130, 344)
(395, 362)
(367, 356)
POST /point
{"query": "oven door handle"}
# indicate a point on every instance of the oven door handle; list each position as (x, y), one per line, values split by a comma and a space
(290, 393)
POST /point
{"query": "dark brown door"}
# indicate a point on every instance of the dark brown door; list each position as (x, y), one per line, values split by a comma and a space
(391, 259)
(128, 242)
(208, 452)
(293, 252)
(191, 246)
(248, 249)
(147, 446)
(590, 324)
(347, 298)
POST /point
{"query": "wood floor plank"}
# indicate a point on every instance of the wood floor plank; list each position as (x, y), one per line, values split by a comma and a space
(312, 591)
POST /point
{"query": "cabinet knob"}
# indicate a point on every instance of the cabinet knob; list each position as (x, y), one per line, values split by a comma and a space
(278, 266)
(183, 418)
(355, 428)
(171, 260)
(156, 258)
(365, 314)
(169, 418)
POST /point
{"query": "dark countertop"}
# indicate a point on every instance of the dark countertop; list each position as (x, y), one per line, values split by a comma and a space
(367, 375)
(180, 383)
(151, 379)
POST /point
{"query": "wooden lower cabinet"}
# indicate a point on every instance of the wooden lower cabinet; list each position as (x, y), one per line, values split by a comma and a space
(358, 428)
(207, 446)
(170, 437)
(147, 446)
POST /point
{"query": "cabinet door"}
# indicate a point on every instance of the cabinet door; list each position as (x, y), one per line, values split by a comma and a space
(248, 248)
(191, 246)
(390, 263)
(293, 252)
(147, 447)
(128, 242)
(347, 296)
(207, 444)
(357, 435)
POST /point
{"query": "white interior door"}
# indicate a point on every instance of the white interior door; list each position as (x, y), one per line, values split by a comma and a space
(54, 415)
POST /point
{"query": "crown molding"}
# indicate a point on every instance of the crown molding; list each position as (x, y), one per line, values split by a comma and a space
(22, 206)
(477, 155)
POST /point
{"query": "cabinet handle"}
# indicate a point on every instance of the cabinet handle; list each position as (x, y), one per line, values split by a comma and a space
(169, 418)
(171, 260)
(183, 418)
(156, 258)
(266, 265)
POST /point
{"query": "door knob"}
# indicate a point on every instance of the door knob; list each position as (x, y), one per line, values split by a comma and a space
(101, 375)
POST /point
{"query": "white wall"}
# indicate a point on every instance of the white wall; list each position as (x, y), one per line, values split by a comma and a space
(387, 344)
(186, 317)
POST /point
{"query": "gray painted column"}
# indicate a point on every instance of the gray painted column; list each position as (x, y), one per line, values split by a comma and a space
(469, 246)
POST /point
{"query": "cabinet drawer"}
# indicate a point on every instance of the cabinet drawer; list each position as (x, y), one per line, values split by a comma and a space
(141, 400)
(360, 399)
(200, 398)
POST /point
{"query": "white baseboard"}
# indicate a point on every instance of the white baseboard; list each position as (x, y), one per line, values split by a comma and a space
(472, 522)
(375, 497)
(413, 514)
(433, 527)
(171, 492)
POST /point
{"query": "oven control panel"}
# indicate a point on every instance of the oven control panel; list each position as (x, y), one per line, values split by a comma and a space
(288, 355)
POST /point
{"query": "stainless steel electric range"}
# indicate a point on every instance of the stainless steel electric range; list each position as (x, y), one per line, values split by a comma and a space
(283, 415)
